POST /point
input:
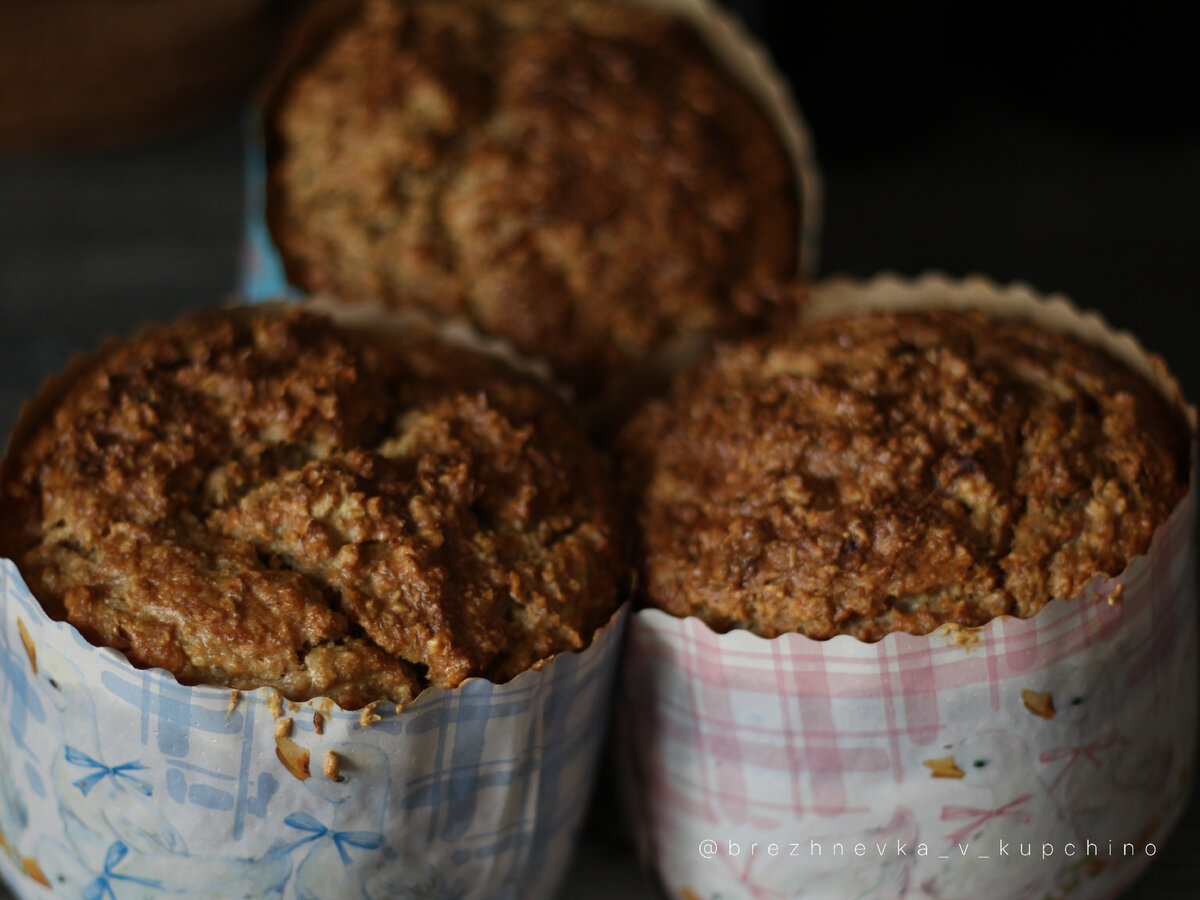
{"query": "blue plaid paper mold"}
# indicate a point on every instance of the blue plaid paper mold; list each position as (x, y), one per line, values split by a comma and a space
(262, 276)
(120, 783)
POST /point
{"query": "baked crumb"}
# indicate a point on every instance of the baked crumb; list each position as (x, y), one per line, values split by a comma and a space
(368, 716)
(28, 643)
(294, 757)
(958, 636)
(1040, 703)
(332, 767)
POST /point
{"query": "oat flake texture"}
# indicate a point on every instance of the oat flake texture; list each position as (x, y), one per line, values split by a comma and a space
(261, 499)
(580, 177)
(893, 472)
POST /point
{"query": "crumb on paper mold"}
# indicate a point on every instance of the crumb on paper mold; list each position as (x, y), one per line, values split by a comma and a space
(332, 767)
(275, 704)
(34, 870)
(368, 716)
(944, 767)
(1040, 703)
(294, 757)
(293, 707)
(1111, 594)
(30, 646)
(235, 697)
(318, 723)
(283, 728)
(957, 635)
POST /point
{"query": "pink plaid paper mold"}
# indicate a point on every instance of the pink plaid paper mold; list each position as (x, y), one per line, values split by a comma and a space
(1029, 758)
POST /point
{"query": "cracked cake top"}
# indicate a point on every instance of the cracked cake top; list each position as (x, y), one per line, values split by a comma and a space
(894, 472)
(263, 499)
(579, 176)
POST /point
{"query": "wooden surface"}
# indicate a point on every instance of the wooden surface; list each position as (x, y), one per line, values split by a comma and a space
(97, 244)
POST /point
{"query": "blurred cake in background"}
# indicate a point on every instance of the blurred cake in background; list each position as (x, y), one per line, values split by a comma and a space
(585, 179)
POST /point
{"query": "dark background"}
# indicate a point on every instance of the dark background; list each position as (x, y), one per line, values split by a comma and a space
(1064, 153)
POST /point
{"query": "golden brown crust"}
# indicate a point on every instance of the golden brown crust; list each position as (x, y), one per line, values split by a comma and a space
(580, 177)
(261, 499)
(893, 472)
